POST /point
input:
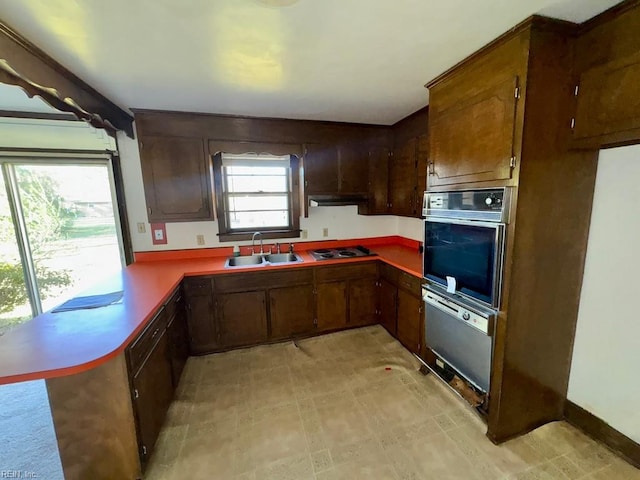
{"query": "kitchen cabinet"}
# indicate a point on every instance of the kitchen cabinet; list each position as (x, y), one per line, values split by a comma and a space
(378, 195)
(362, 301)
(400, 307)
(150, 373)
(321, 168)
(331, 305)
(472, 134)
(481, 135)
(203, 336)
(408, 164)
(178, 336)
(608, 88)
(410, 317)
(354, 167)
(241, 318)
(177, 179)
(152, 395)
(291, 310)
(387, 306)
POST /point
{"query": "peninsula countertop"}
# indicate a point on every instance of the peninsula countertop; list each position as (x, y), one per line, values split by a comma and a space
(65, 343)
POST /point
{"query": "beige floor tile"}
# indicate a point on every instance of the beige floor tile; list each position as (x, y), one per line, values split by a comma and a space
(349, 405)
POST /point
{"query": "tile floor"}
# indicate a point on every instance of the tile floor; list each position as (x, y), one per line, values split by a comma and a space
(349, 406)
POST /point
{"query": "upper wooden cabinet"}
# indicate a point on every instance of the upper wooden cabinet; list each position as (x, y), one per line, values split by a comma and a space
(408, 165)
(608, 89)
(177, 180)
(476, 114)
(336, 168)
(473, 139)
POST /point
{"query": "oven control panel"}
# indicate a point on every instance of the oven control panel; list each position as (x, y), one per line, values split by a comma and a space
(471, 318)
(490, 204)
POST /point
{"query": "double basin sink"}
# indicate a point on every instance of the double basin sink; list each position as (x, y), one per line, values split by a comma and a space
(262, 260)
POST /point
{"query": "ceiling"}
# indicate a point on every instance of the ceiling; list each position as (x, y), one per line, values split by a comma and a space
(342, 60)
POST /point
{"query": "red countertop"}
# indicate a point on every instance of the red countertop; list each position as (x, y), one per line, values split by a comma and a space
(58, 344)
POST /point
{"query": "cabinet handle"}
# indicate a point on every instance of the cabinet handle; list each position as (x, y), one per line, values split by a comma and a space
(155, 333)
(144, 450)
(149, 210)
(135, 393)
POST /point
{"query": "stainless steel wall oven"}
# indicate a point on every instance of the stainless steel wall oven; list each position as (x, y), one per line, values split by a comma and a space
(464, 240)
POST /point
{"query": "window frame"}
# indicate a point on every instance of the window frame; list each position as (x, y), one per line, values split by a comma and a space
(225, 233)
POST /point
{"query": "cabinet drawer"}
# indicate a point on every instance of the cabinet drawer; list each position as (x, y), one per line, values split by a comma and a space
(143, 344)
(195, 286)
(410, 283)
(244, 282)
(343, 272)
(171, 304)
(389, 273)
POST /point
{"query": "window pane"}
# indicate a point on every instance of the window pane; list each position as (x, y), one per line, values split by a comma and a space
(257, 220)
(71, 226)
(255, 183)
(15, 306)
(245, 202)
(244, 170)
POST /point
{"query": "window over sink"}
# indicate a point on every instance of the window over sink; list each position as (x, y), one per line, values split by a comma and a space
(257, 192)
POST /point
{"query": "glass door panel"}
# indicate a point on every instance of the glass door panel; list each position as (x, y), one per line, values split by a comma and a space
(70, 223)
(15, 306)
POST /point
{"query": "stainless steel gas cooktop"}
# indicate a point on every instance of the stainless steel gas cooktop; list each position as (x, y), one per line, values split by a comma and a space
(341, 253)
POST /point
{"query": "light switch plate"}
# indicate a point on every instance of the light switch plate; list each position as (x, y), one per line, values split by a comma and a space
(158, 234)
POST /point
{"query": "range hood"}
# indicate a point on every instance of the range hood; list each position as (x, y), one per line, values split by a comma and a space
(333, 200)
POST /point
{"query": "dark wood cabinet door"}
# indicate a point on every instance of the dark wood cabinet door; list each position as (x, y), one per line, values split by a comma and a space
(402, 178)
(291, 311)
(387, 306)
(608, 108)
(422, 165)
(354, 166)
(152, 394)
(362, 301)
(178, 342)
(331, 305)
(473, 140)
(176, 177)
(409, 320)
(378, 180)
(242, 318)
(200, 320)
(321, 172)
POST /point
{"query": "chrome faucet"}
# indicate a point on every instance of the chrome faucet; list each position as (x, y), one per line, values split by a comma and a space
(253, 244)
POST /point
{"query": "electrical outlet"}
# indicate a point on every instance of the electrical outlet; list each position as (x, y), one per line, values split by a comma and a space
(304, 234)
(325, 232)
(142, 228)
(200, 239)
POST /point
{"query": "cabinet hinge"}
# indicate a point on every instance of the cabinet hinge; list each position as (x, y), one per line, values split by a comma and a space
(315, 321)
(575, 90)
(144, 450)
(573, 123)
(306, 183)
(516, 93)
(135, 393)
(512, 162)
(149, 210)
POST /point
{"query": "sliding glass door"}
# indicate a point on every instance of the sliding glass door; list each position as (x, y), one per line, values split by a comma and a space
(59, 232)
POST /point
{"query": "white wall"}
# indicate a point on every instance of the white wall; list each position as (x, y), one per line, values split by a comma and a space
(412, 228)
(342, 222)
(604, 376)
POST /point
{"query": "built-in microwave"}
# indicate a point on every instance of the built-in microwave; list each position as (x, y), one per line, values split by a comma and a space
(464, 238)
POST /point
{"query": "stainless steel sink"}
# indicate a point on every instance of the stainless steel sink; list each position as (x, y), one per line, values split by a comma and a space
(260, 260)
(248, 261)
(277, 258)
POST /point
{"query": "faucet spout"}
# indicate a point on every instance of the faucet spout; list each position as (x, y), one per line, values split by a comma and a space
(253, 244)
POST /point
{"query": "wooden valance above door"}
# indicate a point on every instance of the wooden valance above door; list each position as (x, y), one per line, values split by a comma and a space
(25, 65)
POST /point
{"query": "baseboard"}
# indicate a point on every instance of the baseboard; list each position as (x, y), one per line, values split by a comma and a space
(603, 432)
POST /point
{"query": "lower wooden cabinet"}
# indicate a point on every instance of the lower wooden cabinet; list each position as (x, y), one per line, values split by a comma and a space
(387, 306)
(203, 337)
(291, 311)
(362, 301)
(178, 337)
(400, 307)
(152, 395)
(242, 318)
(331, 305)
(409, 319)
